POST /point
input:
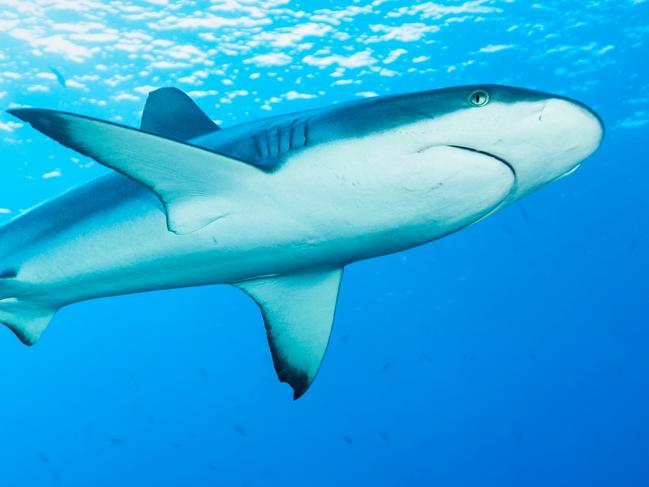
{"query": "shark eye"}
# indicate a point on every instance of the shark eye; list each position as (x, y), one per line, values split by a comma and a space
(479, 98)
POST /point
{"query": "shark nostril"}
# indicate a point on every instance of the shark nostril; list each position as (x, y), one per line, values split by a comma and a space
(542, 111)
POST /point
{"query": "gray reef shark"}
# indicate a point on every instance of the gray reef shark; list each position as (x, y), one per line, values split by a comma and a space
(278, 207)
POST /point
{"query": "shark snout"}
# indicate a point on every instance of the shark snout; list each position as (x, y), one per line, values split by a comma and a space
(576, 130)
(548, 139)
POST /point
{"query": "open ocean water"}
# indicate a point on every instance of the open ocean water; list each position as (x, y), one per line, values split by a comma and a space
(513, 353)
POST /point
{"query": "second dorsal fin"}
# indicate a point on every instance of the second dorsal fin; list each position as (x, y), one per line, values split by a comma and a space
(171, 113)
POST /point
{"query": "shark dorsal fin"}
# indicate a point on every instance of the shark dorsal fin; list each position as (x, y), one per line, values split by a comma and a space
(195, 186)
(171, 113)
(298, 311)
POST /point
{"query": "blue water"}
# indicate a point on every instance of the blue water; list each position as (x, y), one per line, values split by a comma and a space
(515, 352)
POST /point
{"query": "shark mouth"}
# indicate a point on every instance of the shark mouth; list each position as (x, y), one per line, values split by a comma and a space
(506, 163)
(471, 149)
(514, 189)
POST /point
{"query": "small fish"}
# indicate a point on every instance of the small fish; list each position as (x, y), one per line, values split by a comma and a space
(116, 441)
(383, 436)
(56, 477)
(8, 274)
(59, 77)
(344, 338)
(634, 243)
(202, 373)
(211, 466)
(517, 437)
(524, 214)
(348, 439)
(427, 357)
(43, 457)
(386, 367)
(240, 430)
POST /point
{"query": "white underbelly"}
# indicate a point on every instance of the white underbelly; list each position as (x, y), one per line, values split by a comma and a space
(320, 214)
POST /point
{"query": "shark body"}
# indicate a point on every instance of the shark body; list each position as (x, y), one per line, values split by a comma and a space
(278, 206)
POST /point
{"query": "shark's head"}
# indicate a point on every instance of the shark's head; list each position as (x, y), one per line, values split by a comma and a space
(541, 137)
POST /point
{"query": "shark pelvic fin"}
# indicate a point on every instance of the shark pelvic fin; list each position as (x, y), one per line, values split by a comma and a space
(26, 320)
(195, 185)
(170, 113)
(298, 311)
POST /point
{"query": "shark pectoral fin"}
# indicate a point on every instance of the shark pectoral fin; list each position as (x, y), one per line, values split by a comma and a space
(193, 184)
(170, 113)
(298, 311)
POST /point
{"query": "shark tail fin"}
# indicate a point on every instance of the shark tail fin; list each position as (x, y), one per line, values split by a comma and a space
(27, 320)
(171, 113)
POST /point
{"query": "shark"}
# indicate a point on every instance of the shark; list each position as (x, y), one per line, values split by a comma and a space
(278, 206)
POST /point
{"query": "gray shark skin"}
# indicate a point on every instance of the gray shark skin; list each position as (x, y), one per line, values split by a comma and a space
(278, 207)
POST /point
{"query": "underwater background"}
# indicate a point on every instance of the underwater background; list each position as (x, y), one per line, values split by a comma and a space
(515, 352)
